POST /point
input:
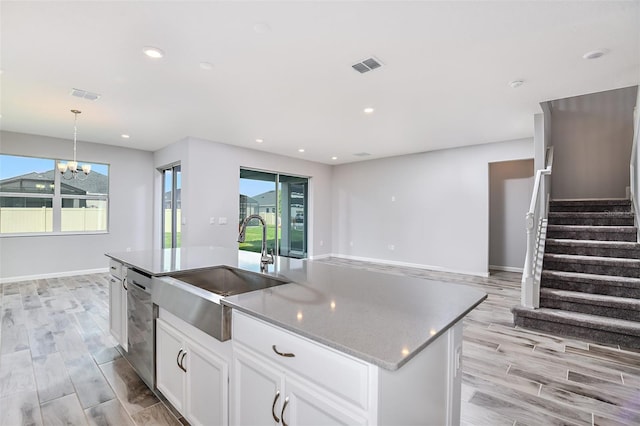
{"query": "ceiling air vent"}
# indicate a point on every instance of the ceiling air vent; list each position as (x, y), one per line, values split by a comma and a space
(362, 154)
(367, 65)
(79, 93)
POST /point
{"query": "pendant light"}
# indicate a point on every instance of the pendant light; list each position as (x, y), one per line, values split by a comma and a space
(72, 166)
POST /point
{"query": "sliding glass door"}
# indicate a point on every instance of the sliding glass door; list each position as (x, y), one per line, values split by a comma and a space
(281, 201)
(171, 206)
(293, 238)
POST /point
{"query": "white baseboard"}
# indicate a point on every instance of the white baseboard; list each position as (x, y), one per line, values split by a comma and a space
(320, 256)
(506, 269)
(53, 275)
(409, 265)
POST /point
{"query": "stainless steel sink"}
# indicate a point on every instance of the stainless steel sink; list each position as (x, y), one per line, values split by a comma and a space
(227, 281)
(188, 295)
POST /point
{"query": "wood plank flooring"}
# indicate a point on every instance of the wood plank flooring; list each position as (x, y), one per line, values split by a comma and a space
(514, 376)
(59, 365)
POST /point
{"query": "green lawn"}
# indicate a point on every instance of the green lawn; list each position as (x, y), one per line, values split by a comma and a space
(167, 239)
(253, 240)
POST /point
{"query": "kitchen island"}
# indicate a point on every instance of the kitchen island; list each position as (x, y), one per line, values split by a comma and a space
(334, 344)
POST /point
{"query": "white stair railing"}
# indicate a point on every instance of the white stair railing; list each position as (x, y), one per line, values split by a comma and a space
(535, 220)
(633, 167)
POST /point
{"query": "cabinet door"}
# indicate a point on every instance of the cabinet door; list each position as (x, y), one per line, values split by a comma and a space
(258, 391)
(115, 308)
(309, 405)
(206, 387)
(124, 334)
(169, 375)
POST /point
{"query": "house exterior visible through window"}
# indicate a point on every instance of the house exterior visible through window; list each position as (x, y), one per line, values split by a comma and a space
(34, 199)
(281, 200)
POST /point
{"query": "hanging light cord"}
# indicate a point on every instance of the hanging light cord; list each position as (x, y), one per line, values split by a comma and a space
(75, 131)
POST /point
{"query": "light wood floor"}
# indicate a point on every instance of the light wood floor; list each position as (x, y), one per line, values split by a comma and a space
(58, 363)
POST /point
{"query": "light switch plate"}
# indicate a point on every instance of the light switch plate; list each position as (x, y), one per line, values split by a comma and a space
(222, 221)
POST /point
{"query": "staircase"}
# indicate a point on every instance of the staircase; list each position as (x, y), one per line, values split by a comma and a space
(590, 283)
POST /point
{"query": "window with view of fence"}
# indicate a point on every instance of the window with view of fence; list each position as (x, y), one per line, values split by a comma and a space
(36, 199)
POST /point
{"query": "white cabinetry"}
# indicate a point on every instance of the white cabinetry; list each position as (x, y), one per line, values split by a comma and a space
(281, 378)
(118, 302)
(192, 371)
(304, 384)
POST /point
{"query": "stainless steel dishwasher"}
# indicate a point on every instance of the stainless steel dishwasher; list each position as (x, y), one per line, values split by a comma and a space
(140, 323)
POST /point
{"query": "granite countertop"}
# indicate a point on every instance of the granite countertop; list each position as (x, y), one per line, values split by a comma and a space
(380, 318)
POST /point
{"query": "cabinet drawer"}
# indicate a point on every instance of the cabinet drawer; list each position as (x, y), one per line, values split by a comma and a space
(340, 374)
(115, 269)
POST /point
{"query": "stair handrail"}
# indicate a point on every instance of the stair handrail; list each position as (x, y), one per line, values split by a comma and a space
(633, 166)
(538, 212)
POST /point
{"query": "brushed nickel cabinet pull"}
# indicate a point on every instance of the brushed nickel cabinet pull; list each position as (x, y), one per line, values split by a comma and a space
(284, 407)
(273, 407)
(285, 354)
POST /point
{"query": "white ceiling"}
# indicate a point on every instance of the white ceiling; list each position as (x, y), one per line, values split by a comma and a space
(444, 83)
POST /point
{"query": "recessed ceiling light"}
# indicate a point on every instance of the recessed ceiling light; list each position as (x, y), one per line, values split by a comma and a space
(259, 140)
(125, 136)
(516, 83)
(207, 66)
(368, 110)
(153, 52)
(301, 150)
(334, 158)
(595, 54)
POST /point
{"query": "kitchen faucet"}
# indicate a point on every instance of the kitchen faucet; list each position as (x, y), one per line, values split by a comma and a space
(265, 258)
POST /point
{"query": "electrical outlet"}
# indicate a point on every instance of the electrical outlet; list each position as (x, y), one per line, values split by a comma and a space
(212, 220)
(391, 247)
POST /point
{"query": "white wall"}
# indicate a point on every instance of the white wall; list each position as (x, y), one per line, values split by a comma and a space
(592, 136)
(130, 214)
(211, 183)
(440, 216)
(510, 188)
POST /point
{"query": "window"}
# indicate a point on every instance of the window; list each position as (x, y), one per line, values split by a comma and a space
(34, 199)
(281, 200)
(171, 206)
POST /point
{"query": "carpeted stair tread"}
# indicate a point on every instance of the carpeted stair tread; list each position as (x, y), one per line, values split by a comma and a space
(620, 205)
(592, 218)
(581, 320)
(590, 214)
(591, 299)
(629, 245)
(598, 265)
(593, 260)
(591, 228)
(592, 278)
(593, 232)
(625, 249)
